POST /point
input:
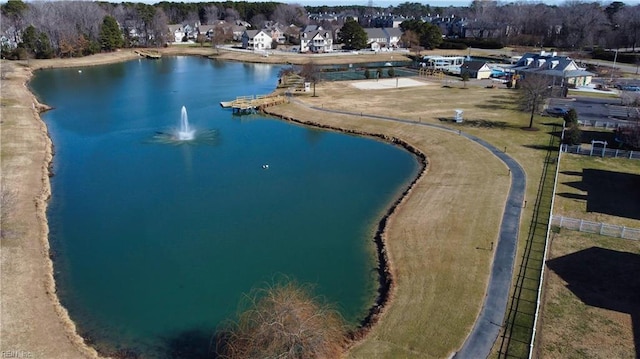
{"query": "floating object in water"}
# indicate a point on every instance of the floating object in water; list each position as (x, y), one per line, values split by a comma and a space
(265, 167)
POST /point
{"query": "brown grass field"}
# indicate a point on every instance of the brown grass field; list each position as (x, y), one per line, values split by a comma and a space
(599, 189)
(438, 240)
(591, 298)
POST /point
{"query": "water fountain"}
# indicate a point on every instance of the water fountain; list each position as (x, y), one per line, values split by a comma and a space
(185, 133)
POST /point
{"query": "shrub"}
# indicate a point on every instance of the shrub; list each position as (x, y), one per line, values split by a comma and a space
(571, 118)
(452, 45)
(284, 321)
(573, 135)
(391, 72)
(478, 43)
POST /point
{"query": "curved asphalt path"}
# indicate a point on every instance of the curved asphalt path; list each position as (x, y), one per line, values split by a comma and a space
(487, 326)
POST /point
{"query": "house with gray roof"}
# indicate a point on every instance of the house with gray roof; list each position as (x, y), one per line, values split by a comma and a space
(380, 38)
(256, 40)
(562, 69)
(315, 39)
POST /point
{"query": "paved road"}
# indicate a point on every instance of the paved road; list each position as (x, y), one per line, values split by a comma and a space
(487, 326)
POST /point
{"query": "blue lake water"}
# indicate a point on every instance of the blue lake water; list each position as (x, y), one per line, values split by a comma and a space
(155, 243)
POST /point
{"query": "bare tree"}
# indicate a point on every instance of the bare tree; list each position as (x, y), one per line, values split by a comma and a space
(222, 33)
(158, 26)
(311, 73)
(284, 321)
(231, 15)
(258, 21)
(582, 24)
(627, 25)
(534, 90)
(287, 14)
(211, 14)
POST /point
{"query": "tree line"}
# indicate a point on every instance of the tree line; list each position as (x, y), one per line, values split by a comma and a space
(74, 28)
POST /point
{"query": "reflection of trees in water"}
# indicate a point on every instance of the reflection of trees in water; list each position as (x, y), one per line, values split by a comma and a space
(314, 135)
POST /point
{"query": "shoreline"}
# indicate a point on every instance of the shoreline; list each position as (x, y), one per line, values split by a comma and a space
(384, 269)
(35, 249)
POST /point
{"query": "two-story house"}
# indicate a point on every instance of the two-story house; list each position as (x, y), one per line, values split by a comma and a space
(315, 39)
(383, 38)
(256, 40)
(176, 33)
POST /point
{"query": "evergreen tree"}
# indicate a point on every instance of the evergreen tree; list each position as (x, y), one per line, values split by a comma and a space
(29, 39)
(110, 34)
(44, 50)
(571, 117)
(352, 35)
(428, 34)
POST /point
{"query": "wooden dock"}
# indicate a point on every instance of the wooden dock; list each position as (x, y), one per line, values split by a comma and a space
(253, 103)
(149, 54)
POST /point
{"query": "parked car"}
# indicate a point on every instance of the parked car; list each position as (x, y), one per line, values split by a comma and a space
(630, 88)
(556, 111)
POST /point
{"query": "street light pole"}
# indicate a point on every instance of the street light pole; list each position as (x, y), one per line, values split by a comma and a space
(615, 57)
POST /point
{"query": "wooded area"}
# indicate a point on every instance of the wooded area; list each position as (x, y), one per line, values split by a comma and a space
(74, 28)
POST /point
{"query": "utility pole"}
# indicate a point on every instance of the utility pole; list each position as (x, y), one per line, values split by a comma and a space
(615, 57)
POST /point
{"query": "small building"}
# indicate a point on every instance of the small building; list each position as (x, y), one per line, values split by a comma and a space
(476, 70)
(256, 40)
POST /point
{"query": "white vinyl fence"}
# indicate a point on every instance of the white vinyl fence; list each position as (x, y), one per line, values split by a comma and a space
(600, 151)
(596, 227)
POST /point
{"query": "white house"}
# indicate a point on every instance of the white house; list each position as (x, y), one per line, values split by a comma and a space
(256, 40)
(315, 39)
(393, 35)
(176, 32)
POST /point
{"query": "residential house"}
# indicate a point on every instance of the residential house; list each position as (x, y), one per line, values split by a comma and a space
(256, 40)
(383, 38)
(476, 70)
(176, 33)
(276, 31)
(376, 38)
(243, 23)
(320, 17)
(207, 31)
(561, 69)
(393, 36)
(314, 39)
(390, 21)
